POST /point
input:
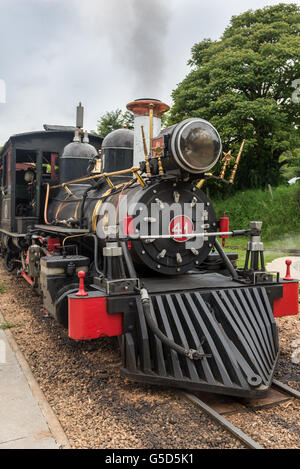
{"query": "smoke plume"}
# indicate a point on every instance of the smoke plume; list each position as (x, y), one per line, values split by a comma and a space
(134, 32)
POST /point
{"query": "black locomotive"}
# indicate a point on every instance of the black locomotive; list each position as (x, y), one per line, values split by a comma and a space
(120, 240)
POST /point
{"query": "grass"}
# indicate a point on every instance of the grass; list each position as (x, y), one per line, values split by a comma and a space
(239, 246)
(2, 288)
(10, 325)
(280, 215)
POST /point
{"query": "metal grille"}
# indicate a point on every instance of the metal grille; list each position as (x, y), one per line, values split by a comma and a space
(235, 328)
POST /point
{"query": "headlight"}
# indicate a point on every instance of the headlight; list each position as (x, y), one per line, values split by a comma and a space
(195, 145)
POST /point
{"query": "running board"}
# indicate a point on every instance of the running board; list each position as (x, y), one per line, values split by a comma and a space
(234, 329)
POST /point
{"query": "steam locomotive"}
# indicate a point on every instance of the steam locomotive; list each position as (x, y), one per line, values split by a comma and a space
(118, 238)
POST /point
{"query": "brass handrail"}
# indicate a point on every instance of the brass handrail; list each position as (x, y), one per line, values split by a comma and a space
(133, 169)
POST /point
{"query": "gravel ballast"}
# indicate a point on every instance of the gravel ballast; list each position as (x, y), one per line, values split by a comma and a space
(97, 408)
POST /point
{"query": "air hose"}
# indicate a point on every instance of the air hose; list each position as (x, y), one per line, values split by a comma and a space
(190, 353)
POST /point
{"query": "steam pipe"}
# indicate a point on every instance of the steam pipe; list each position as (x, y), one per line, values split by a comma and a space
(150, 126)
(193, 354)
(226, 261)
(46, 205)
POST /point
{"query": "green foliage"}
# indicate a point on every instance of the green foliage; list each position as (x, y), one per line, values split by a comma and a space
(280, 215)
(242, 84)
(114, 120)
(165, 119)
(117, 119)
(2, 288)
(10, 325)
(290, 161)
(271, 248)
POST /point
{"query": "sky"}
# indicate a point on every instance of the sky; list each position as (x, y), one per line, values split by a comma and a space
(105, 53)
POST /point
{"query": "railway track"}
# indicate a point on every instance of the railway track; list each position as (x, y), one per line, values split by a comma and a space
(226, 424)
(96, 404)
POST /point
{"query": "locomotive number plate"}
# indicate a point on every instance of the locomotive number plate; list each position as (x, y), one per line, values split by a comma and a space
(181, 227)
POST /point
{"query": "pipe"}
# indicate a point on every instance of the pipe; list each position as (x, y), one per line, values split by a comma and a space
(28, 279)
(148, 170)
(96, 254)
(236, 163)
(150, 127)
(128, 260)
(192, 235)
(46, 204)
(99, 272)
(226, 261)
(84, 196)
(193, 354)
(133, 169)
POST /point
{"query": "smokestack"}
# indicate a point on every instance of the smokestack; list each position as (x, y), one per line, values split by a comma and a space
(147, 114)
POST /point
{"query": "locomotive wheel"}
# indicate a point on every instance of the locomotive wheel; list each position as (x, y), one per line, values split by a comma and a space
(9, 262)
(61, 303)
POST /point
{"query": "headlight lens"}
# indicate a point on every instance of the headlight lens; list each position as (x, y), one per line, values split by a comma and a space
(196, 145)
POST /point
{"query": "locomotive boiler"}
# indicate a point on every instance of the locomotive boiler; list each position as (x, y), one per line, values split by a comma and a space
(126, 244)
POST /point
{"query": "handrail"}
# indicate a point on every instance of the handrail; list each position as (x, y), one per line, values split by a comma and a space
(134, 170)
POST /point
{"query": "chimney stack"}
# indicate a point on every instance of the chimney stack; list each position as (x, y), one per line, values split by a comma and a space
(147, 114)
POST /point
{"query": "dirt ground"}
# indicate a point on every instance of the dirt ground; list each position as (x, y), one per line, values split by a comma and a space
(99, 409)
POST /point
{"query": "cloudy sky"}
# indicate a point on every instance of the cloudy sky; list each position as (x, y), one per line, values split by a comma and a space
(105, 53)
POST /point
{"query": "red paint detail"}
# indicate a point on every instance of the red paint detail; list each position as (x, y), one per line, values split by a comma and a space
(28, 279)
(27, 257)
(140, 107)
(128, 225)
(128, 228)
(81, 291)
(53, 244)
(224, 226)
(157, 142)
(289, 303)
(24, 166)
(288, 270)
(88, 318)
(181, 225)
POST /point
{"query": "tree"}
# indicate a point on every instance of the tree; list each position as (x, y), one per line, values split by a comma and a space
(243, 84)
(114, 120)
(290, 164)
